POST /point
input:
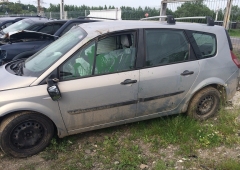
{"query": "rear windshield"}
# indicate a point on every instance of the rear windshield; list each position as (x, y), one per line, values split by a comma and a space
(206, 43)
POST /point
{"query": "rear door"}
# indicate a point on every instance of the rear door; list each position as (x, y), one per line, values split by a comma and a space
(170, 71)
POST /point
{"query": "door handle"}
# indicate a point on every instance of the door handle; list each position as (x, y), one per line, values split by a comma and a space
(186, 72)
(128, 81)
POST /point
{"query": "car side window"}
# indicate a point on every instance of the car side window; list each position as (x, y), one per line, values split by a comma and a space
(56, 28)
(165, 47)
(48, 29)
(206, 43)
(35, 27)
(115, 54)
(80, 64)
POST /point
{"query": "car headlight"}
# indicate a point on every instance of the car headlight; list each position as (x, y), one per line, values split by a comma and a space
(3, 54)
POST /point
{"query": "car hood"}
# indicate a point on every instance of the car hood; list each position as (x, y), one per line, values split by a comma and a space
(24, 34)
(11, 81)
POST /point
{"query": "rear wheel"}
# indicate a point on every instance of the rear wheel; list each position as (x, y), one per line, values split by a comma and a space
(25, 134)
(204, 104)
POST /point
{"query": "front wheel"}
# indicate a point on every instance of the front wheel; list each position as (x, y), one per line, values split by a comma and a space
(204, 104)
(25, 134)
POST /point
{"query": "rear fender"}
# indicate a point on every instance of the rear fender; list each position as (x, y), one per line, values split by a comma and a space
(201, 85)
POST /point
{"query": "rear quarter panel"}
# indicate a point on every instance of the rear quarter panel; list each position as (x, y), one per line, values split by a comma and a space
(219, 69)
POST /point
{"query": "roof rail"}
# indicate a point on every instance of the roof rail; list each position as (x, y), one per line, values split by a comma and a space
(170, 18)
(210, 21)
(83, 17)
(26, 16)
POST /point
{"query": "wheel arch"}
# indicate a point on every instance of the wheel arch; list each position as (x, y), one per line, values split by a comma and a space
(14, 108)
(16, 112)
(219, 86)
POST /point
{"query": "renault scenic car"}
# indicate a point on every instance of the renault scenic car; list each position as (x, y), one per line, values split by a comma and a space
(105, 74)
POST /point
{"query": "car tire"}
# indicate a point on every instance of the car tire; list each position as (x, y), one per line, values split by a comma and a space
(25, 134)
(204, 104)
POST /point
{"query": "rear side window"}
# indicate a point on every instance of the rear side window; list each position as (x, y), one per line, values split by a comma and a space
(206, 43)
(166, 47)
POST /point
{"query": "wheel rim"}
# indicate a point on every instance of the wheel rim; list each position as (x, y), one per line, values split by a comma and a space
(27, 134)
(205, 105)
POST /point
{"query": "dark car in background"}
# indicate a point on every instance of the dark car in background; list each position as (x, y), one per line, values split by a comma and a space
(26, 43)
(33, 24)
(9, 20)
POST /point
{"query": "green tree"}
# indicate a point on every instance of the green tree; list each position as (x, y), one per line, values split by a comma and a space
(235, 13)
(197, 8)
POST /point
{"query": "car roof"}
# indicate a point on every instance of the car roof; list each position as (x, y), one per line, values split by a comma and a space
(98, 28)
(8, 18)
(56, 21)
(71, 20)
(38, 20)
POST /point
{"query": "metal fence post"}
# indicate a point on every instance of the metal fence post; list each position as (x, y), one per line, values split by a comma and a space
(163, 9)
(116, 13)
(227, 14)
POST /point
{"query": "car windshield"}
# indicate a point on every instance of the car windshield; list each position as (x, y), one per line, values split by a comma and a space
(41, 61)
(20, 25)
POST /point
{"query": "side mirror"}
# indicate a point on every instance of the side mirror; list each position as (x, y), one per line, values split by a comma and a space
(53, 89)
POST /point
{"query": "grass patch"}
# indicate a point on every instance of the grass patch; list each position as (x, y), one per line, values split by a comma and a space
(160, 165)
(187, 133)
(57, 146)
(222, 164)
(28, 167)
(234, 32)
(232, 164)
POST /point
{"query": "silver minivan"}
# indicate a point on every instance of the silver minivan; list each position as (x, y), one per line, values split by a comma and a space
(110, 73)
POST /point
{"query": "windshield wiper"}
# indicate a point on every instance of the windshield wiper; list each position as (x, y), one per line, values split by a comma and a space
(18, 68)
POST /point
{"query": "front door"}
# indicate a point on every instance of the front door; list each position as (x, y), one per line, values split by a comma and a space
(99, 87)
